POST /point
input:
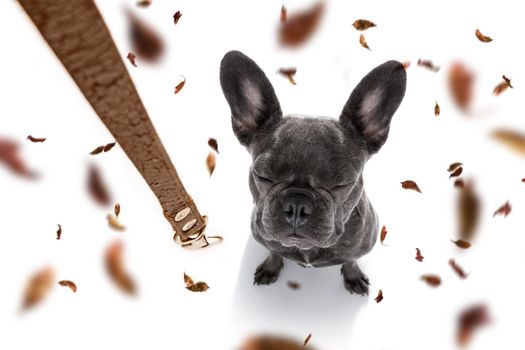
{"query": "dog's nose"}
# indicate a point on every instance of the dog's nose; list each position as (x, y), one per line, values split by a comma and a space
(298, 205)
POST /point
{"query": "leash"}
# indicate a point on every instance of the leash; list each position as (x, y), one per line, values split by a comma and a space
(76, 32)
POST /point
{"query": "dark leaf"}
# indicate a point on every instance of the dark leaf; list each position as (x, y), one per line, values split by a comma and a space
(288, 73)
(144, 3)
(507, 81)
(383, 233)
(307, 339)
(428, 65)
(461, 273)
(498, 89)
(116, 209)
(363, 42)
(379, 297)
(469, 320)
(198, 287)
(456, 172)
(38, 287)
(10, 156)
(460, 82)
(97, 150)
(461, 244)
(213, 144)
(132, 58)
(36, 139)
(109, 146)
(459, 183)
(180, 85)
(59, 231)
(115, 268)
(146, 43)
(70, 284)
(504, 210)
(176, 17)
(363, 24)
(511, 139)
(410, 185)
(437, 110)
(293, 285)
(419, 257)
(432, 280)
(96, 187)
(468, 209)
(188, 280)
(482, 38)
(299, 27)
(454, 166)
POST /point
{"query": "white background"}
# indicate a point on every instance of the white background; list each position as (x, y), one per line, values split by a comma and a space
(39, 98)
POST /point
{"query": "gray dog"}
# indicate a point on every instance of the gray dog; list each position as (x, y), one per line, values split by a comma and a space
(306, 177)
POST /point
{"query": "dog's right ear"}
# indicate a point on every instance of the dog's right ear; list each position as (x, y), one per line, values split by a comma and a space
(250, 95)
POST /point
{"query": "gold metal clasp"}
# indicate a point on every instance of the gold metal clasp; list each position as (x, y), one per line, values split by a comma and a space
(198, 240)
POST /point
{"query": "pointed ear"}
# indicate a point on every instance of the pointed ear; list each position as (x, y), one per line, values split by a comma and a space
(374, 101)
(250, 95)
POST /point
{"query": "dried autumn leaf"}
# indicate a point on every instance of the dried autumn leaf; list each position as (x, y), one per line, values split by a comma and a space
(461, 243)
(59, 231)
(363, 42)
(419, 257)
(109, 146)
(116, 209)
(460, 82)
(482, 38)
(293, 285)
(406, 65)
(210, 162)
(176, 17)
(504, 210)
(36, 139)
(458, 269)
(459, 183)
(428, 64)
(410, 185)
(507, 81)
(454, 166)
(469, 320)
(198, 287)
(511, 139)
(468, 210)
(269, 342)
(283, 14)
(213, 144)
(180, 85)
(456, 172)
(144, 3)
(288, 73)
(363, 24)
(146, 43)
(379, 297)
(10, 156)
(115, 268)
(96, 187)
(38, 287)
(431, 280)
(383, 233)
(188, 280)
(523, 180)
(97, 150)
(114, 223)
(502, 86)
(307, 339)
(299, 27)
(437, 110)
(132, 58)
(71, 285)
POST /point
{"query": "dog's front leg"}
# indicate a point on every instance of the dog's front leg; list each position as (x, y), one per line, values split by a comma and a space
(268, 272)
(355, 280)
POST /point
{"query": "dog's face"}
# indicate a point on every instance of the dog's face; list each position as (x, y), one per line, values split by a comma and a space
(306, 176)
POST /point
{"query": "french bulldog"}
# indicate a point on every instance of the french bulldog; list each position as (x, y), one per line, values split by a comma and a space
(306, 177)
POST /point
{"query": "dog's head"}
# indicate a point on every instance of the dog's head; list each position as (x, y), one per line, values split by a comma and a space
(306, 173)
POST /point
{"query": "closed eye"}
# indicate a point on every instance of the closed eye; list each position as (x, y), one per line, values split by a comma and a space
(262, 178)
(343, 186)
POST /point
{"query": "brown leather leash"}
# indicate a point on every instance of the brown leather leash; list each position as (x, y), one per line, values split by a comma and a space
(76, 32)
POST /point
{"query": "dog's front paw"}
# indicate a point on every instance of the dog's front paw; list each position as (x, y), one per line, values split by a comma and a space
(355, 280)
(268, 272)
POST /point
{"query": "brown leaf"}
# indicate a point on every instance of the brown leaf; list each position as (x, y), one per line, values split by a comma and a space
(307, 339)
(362, 41)
(36, 139)
(59, 231)
(468, 210)
(213, 144)
(428, 64)
(96, 187)
(198, 287)
(456, 172)
(431, 280)
(115, 268)
(97, 150)
(507, 81)
(70, 284)
(132, 58)
(482, 38)
(300, 26)
(406, 64)
(109, 146)
(38, 287)
(379, 297)
(363, 24)
(469, 320)
(460, 82)
(500, 88)
(210, 162)
(454, 166)
(419, 257)
(114, 223)
(270, 342)
(410, 185)
(458, 269)
(180, 85)
(176, 17)
(10, 156)
(288, 73)
(461, 243)
(511, 139)
(283, 14)
(523, 180)
(116, 209)
(459, 183)
(146, 43)
(504, 210)
(437, 110)
(383, 233)
(188, 280)
(293, 285)
(144, 3)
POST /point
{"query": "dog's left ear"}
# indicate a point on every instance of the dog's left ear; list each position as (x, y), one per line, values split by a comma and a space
(374, 101)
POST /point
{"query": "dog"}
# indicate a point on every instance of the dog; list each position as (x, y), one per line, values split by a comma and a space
(306, 177)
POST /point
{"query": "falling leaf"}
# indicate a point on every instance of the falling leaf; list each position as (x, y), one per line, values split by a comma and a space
(109, 146)
(116, 209)
(383, 233)
(288, 73)
(307, 339)
(198, 287)
(460, 82)
(461, 243)
(437, 110)
(379, 297)
(36, 139)
(59, 231)
(114, 223)
(210, 162)
(502, 86)
(38, 287)
(132, 58)
(461, 273)
(482, 38)
(454, 166)
(70, 284)
(511, 139)
(115, 268)
(176, 17)
(363, 24)
(146, 43)
(410, 185)
(270, 342)
(188, 280)
(428, 64)
(523, 180)
(362, 41)
(456, 172)
(469, 320)
(10, 156)
(468, 210)
(507, 81)
(293, 285)
(419, 257)
(180, 85)
(213, 144)
(459, 183)
(504, 210)
(406, 65)
(96, 187)
(283, 14)
(144, 3)
(299, 27)
(97, 150)
(431, 280)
